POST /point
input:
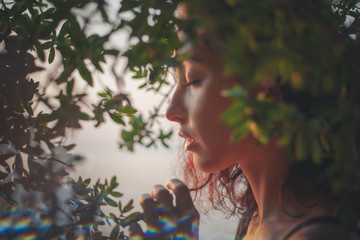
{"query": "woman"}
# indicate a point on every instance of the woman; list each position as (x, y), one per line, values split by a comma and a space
(276, 197)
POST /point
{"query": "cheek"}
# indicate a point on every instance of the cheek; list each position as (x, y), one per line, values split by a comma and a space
(213, 134)
(210, 106)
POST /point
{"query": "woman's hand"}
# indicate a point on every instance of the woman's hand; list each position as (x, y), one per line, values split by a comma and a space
(163, 219)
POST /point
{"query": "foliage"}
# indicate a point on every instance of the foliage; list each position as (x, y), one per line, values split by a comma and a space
(34, 123)
(309, 48)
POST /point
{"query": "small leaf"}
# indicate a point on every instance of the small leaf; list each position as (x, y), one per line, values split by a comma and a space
(117, 118)
(51, 55)
(111, 202)
(134, 217)
(115, 233)
(87, 181)
(83, 116)
(116, 194)
(128, 206)
(40, 52)
(120, 206)
(85, 74)
(47, 45)
(19, 7)
(69, 147)
(111, 52)
(113, 182)
(128, 110)
(102, 94)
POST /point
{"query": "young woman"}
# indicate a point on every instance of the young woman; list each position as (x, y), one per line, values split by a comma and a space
(275, 197)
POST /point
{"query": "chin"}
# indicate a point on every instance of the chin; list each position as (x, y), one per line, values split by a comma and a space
(207, 165)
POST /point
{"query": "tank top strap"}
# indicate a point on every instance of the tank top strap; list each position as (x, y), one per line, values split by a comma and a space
(315, 220)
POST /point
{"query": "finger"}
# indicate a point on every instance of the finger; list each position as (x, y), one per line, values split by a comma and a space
(188, 216)
(163, 196)
(165, 208)
(136, 233)
(183, 199)
(148, 204)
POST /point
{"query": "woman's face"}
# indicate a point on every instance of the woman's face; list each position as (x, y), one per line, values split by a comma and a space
(197, 105)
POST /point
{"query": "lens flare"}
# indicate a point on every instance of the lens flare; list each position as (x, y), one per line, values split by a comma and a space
(152, 231)
(5, 225)
(28, 236)
(167, 224)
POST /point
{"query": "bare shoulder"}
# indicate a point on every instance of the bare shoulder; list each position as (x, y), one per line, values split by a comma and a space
(322, 231)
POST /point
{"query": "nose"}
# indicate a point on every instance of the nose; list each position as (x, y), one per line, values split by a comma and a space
(176, 110)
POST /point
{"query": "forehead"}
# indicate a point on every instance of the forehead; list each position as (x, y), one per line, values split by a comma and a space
(199, 54)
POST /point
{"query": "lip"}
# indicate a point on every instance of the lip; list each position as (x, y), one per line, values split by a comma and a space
(191, 146)
(190, 143)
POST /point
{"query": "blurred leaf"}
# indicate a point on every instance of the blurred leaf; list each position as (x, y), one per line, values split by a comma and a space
(117, 118)
(115, 233)
(51, 55)
(129, 206)
(116, 194)
(85, 74)
(111, 202)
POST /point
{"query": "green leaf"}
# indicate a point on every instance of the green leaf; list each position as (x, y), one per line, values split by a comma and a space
(40, 52)
(128, 110)
(47, 45)
(113, 183)
(117, 118)
(128, 206)
(116, 194)
(115, 233)
(85, 74)
(83, 116)
(102, 94)
(134, 217)
(111, 202)
(120, 206)
(111, 52)
(28, 108)
(19, 7)
(69, 147)
(87, 181)
(51, 55)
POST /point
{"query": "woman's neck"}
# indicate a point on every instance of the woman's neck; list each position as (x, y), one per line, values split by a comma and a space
(266, 181)
(276, 203)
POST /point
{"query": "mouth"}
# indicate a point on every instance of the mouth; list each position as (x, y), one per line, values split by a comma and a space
(190, 144)
(188, 139)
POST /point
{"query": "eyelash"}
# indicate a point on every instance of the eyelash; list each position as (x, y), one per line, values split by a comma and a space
(195, 82)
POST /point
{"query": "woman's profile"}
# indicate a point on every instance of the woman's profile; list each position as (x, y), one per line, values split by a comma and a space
(277, 192)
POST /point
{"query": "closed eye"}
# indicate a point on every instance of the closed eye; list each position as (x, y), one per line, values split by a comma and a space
(194, 83)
